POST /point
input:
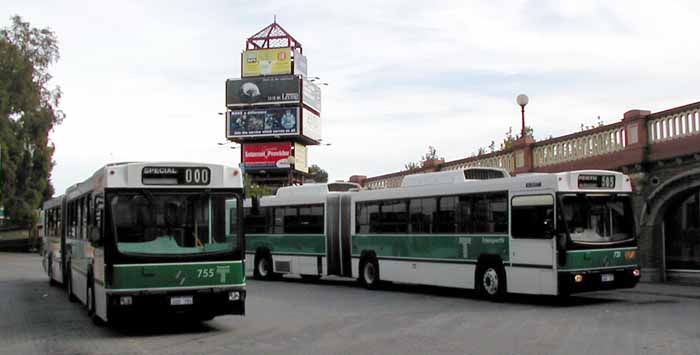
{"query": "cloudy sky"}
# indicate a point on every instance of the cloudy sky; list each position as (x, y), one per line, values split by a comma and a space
(144, 80)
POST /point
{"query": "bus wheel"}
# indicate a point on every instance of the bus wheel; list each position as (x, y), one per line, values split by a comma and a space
(263, 267)
(369, 273)
(310, 277)
(491, 282)
(206, 317)
(69, 286)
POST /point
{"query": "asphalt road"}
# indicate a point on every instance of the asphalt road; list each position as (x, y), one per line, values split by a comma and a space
(339, 317)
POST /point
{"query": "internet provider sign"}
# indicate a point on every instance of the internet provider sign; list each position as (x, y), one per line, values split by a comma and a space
(266, 155)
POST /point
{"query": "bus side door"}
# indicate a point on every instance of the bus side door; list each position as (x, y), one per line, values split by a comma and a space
(533, 252)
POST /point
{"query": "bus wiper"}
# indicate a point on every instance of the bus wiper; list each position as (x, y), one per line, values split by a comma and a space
(148, 195)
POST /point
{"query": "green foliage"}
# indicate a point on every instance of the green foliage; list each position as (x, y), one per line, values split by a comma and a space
(509, 140)
(317, 174)
(255, 190)
(429, 158)
(28, 112)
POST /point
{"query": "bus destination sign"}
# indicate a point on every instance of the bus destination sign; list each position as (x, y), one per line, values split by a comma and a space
(596, 181)
(175, 175)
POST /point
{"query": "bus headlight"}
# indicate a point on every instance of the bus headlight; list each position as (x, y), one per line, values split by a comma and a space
(578, 278)
(234, 296)
(125, 301)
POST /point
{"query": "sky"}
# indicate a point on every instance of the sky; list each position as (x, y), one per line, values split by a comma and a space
(144, 80)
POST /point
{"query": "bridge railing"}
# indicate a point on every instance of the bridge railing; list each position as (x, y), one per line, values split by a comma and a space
(384, 182)
(503, 160)
(640, 136)
(598, 141)
(674, 124)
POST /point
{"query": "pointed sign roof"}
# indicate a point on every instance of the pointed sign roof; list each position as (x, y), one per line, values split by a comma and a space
(272, 36)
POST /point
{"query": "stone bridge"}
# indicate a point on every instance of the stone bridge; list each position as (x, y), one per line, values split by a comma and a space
(661, 153)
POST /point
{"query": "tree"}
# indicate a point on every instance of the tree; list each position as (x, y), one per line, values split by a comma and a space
(509, 140)
(317, 174)
(28, 112)
(430, 158)
(255, 190)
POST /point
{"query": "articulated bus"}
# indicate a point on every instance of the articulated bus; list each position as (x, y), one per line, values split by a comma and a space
(482, 229)
(143, 238)
(298, 231)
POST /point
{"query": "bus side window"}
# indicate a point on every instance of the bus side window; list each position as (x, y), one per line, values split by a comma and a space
(446, 221)
(278, 220)
(422, 211)
(361, 218)
(532, 216)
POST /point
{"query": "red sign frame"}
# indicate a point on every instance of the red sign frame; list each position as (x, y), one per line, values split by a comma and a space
(266, 155)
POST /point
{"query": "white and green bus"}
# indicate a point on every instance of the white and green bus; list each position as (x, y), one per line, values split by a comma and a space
(145, 238)
(298, 231)
(479, 228)
(53, 242)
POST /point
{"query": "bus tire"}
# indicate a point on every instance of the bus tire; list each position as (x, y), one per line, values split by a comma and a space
(263, 267)
(206, 317)
(69, 285)
(491, 282)
(310, 277)
(369, 272)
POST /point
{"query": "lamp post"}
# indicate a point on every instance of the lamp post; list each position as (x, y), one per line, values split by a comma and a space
(522, 100)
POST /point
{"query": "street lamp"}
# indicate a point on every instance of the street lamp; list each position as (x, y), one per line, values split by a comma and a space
(522, 100)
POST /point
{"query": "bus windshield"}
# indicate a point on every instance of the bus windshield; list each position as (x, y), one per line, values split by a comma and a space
(150, 222)
(598, 218)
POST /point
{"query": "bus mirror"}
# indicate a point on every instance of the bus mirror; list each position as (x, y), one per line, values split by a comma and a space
(548, 227)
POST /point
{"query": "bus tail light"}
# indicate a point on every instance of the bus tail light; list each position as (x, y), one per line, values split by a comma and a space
(578, 278)
(636, 272)
(630, 255)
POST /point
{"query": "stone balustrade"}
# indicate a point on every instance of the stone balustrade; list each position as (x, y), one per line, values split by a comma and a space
(667, 126)
(639, 137)
(586, 144)
(504, 161)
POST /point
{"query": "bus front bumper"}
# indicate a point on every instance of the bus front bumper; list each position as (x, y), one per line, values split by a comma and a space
(203, 303)
(594, 280)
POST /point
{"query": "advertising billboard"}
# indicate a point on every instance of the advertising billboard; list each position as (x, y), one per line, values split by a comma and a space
(300, 66)
(300, 158)
(262, 122)
(311, 95)
(312, 125)
(274, 61)
(263, 90)
(266, 155)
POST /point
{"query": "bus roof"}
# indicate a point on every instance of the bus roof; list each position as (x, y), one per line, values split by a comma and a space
(305, 194)
(53, 202)
(526, 183)
(132, 175)
(453, 176)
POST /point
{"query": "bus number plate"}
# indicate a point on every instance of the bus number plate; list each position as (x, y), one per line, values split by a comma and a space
(181, 301)
(607, 277)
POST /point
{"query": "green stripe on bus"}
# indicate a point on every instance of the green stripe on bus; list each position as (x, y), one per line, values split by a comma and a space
(431, 246)
(287, 243)
(600, 258)
(173, 275)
